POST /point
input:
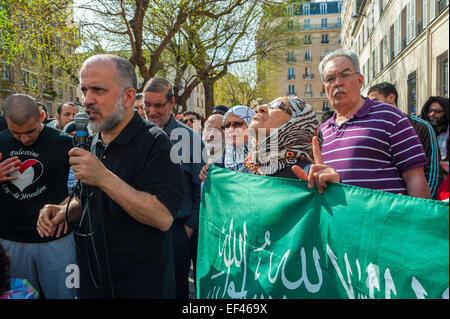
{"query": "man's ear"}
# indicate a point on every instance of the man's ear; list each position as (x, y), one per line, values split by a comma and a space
(128, 97)
(391, 98)
(361, 80)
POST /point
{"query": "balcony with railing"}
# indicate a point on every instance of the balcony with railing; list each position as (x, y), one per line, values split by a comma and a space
(291, 77)
(329, 26)
(309, 76)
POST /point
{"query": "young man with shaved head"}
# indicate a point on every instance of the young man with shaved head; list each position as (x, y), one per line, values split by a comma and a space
(34, 165)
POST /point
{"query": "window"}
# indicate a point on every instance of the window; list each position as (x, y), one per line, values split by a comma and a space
(374, 61)
(308, 90)
(443, 74)
(324, 23)
(291, 89)
(308, 39)
(291, 57)
(290, 25)
(324, 38)
(325, 106)
(6, 71)
(291, 74)
(60, 89)
(424, 13)
(412, 94)
(323, 8)
(306, 9)
(308, 73)
(339, 23)
(290, 10)
(308, 56)
(307, 24)
(25, 78)
(410, 21)
(397, 36)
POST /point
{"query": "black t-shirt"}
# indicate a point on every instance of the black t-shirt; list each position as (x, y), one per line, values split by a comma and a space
(3, 125)
(42, 179)
(140, 256)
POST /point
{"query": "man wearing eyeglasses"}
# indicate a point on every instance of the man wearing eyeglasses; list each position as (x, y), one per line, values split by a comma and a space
(435, 111)
(186, 151)
(370, 144)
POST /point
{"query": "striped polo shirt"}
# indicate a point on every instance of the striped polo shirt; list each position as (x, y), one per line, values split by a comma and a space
(373, 147)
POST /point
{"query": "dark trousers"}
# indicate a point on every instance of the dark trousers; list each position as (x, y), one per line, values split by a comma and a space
(182, 258)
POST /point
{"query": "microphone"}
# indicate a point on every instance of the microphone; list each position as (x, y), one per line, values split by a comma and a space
(81, 139)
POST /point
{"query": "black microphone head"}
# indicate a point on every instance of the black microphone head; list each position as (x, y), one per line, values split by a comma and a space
(81, 120)
(81, 138)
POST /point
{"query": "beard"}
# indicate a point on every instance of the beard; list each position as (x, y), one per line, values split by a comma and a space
(438, 122)
(111, 122)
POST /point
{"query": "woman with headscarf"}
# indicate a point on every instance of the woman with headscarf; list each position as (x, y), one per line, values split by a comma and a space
(235, 123)
(285, 132)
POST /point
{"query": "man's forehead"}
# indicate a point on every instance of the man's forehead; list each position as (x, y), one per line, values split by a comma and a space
(436, 104)
(69, 108)
(98, 69)
(338, 64)
(155, 96)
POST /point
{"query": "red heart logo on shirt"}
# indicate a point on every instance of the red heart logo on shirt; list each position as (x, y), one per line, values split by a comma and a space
(28, 173)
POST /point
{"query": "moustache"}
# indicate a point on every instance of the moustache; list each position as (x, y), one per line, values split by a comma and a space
(337, 91)
(91, 108)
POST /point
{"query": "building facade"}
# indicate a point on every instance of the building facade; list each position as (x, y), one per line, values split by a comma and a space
(44, 66)
(313, 30)
(404, 42)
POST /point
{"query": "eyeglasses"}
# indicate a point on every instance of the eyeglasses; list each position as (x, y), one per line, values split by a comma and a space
(435, 111)
(156, 106)
(279, 105)
(233, 124)
(189, 120)
(344, 75)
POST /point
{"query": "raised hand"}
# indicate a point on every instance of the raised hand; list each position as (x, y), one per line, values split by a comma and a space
(319, 173)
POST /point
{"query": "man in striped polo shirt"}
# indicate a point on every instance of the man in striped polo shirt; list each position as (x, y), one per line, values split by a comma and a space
(434, 173)
(370, 144)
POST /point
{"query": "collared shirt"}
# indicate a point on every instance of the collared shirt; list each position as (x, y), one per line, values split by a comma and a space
(140, 256)
(187, 151)
(373, 147)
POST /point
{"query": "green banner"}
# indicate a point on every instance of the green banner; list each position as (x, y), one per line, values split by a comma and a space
(265, 237)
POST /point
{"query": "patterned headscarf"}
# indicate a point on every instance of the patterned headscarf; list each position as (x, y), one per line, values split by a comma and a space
(288, 143)
(235, 155)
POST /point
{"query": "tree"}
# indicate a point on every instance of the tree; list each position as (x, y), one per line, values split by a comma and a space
(39, 35)
(210, 35)
(143, 28)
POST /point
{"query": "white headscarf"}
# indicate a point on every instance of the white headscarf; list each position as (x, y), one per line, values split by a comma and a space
(235, 155)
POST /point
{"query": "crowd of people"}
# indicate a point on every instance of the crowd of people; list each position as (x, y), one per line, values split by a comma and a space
(126, 211)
